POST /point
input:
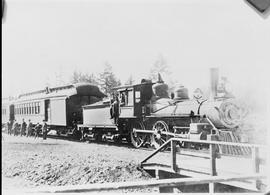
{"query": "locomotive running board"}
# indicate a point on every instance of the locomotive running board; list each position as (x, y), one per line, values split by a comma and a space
(165, 133)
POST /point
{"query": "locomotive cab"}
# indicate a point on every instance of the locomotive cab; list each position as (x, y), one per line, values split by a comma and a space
(134, 100)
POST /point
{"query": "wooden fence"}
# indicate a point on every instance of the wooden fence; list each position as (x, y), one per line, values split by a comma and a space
(128, 185)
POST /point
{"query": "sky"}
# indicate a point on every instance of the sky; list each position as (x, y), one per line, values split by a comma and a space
(44, 41)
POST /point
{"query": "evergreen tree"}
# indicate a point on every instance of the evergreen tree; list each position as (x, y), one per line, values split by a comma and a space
(160, 66)
(129, 81)
(79, 77)
(108, 80)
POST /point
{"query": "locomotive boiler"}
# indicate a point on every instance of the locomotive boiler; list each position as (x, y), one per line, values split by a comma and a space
(144, 114)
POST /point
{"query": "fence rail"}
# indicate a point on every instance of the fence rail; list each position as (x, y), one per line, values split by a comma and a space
(140, 184)
(212, 156)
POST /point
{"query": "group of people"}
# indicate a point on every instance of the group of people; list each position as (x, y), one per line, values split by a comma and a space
(27, 129)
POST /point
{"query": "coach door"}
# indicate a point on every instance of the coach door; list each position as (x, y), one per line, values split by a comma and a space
(47, 110)
(11, 112)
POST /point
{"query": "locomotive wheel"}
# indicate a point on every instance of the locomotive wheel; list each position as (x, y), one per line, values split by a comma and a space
(137, 139)
(158, 138)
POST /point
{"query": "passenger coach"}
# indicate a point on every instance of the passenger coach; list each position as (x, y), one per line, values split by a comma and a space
(59, 106)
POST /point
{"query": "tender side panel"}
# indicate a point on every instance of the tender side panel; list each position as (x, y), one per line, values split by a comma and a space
(97, 116)
(58, 112)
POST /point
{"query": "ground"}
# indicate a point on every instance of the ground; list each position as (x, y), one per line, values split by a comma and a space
(29, 162)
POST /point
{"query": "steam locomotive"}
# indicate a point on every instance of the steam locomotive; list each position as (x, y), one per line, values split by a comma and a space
(144, 114)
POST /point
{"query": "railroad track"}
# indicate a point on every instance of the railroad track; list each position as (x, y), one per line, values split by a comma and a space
(123, 143)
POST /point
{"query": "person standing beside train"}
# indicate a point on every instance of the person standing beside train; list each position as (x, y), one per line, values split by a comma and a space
(23, 127)
(37, 130)
(15, 127)
(114, 110)
(29, 128)
(9, 126)
(44, 130)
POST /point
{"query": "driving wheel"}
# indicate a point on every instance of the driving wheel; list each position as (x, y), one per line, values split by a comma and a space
(158, 138)
(137, 139)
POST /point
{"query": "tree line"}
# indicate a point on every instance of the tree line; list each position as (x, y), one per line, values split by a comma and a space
(107, 80)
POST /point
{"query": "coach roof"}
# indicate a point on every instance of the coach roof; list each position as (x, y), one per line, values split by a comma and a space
(86, 89)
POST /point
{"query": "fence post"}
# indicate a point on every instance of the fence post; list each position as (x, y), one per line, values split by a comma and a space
(213, 169)
(173, 152)
(256, 165)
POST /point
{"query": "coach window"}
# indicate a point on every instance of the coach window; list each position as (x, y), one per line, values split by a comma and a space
(38, 108)
(32, 105)
(30, 108)
(35, 107)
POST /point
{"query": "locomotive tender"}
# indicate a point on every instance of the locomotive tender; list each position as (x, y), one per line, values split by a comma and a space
(60, 106)
(147, 115)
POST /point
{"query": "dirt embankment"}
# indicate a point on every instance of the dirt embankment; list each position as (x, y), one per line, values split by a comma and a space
(27, 162)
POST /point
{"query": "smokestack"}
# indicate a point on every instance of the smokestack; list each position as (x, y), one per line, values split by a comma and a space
(213, 83)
